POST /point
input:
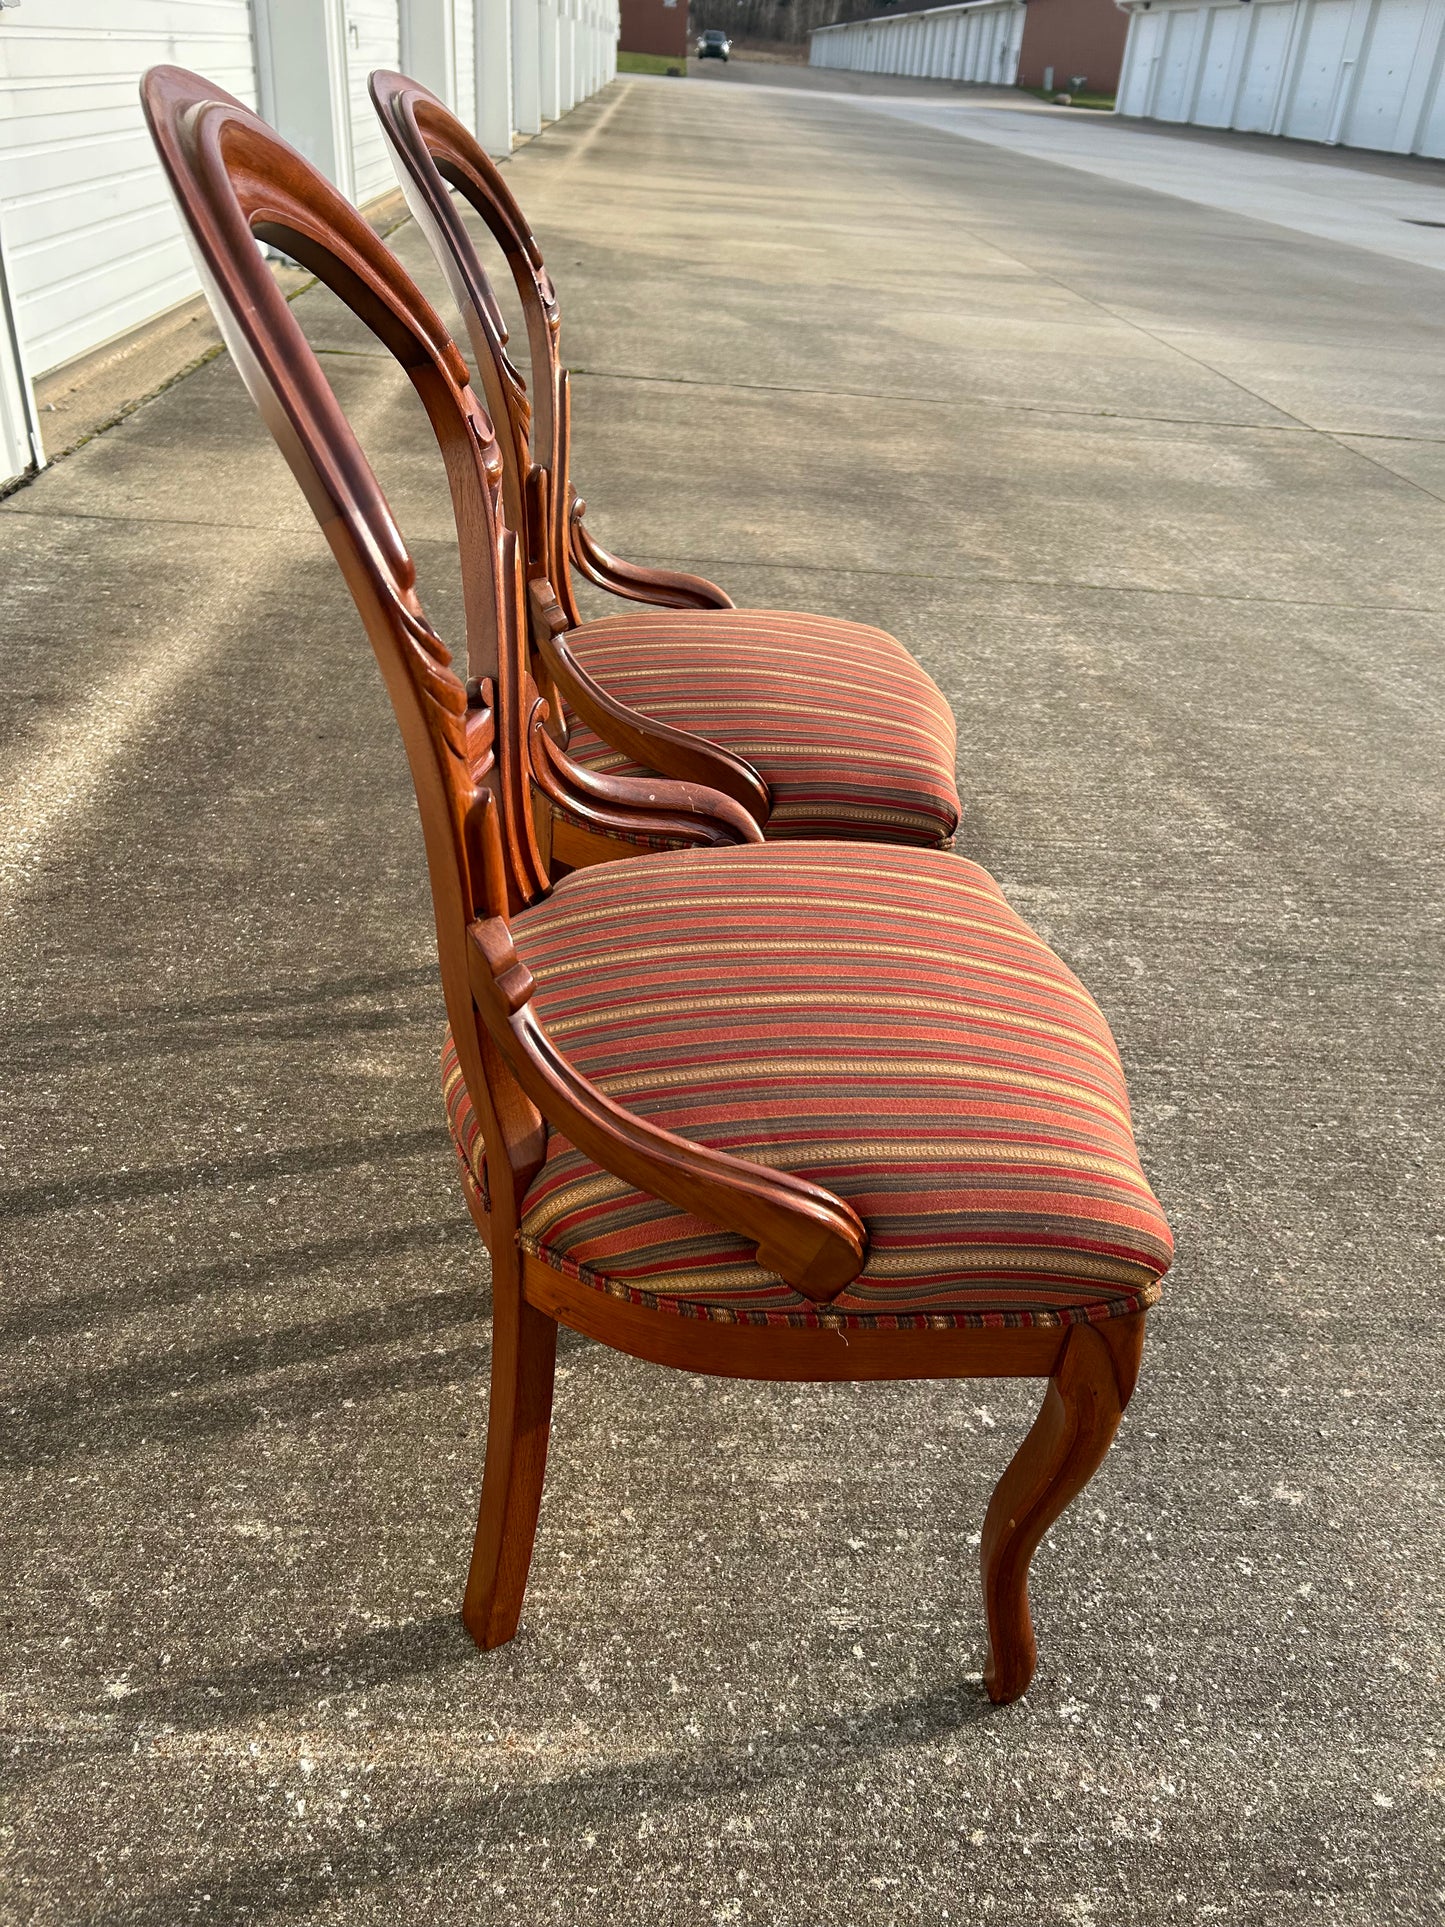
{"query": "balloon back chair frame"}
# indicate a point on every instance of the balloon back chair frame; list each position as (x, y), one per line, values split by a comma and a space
(479, 752)
(432, 152)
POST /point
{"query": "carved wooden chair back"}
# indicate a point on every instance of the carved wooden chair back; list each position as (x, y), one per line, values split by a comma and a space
(237, 182)
(432, 150)
(483, 761)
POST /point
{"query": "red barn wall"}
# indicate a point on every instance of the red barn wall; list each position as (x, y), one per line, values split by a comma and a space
(653, 27)
(1072, 37)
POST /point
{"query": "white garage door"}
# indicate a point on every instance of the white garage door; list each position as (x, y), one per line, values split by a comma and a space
(373, 39)
(464, 27)
(1171, 93)
(93, 245)
(1145, 33)
(1214, 99)
(1263, 68)
(1385, 70)
(1318, 74)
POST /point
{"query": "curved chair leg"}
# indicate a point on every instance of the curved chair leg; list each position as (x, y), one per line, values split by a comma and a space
(1066, 1444)
(524, 1355)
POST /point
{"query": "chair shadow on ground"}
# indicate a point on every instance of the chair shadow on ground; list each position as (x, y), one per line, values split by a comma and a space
(210, 1391)
(285, 1013)
(216, 1278)
(561, 1810)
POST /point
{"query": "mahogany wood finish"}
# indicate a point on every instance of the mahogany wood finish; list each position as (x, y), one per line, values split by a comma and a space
(431, 149)
(480, 756)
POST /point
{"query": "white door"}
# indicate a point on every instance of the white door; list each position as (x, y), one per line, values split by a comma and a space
(464, 32)
(373, 39)
(1015, 47)
(1145, 32)
(92, 242)
(1171, 95)
(1318, 72)
(1214, 97)
(1263, 67)
(1385, 69)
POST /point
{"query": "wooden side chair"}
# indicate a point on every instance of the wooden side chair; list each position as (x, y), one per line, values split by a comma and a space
(823, 728)
(820, 1111)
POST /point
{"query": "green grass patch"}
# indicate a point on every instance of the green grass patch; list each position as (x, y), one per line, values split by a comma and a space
(650, 64)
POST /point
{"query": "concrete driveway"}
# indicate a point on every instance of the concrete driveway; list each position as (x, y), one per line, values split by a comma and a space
(1154, 489)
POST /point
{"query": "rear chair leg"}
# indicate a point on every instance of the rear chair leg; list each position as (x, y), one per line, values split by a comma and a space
(524, 1356)
(1065, 1446)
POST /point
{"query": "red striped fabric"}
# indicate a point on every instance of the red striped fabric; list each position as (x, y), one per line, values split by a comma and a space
(875, 1019)
(852, 736)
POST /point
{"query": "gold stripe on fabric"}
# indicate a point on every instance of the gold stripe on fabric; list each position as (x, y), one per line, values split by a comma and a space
(813, 808)
(1065, 1258)
(808, 657)
(865, 719)
(1004, 923)
(773, 1067)
(819, 752)
(804, 1156)
(550, 970)
(832, 1000)
(714, 1281)
(583, 1191)
(1007, 919)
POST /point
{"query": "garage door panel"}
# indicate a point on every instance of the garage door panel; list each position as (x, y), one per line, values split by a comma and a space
(93, 243)
(1171, 95)
(1143, 50)
(1386, 65)
(66, 318)
(105, 22)
(373, 39)
(79, 230)
(1263, 68)
(1214, 98)
(1316, 88)
(464, 28)
(1432, 133)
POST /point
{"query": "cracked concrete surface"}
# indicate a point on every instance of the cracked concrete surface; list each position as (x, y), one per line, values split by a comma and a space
(1154, 490)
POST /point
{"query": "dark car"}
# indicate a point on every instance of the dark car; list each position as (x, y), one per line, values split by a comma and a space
(713, 45)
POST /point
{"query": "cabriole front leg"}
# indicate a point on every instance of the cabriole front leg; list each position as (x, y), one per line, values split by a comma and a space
(1064, 1448)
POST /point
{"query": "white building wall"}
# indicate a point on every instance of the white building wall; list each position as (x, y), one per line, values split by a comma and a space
(977, 41)
(1364, 73)
(464, 46)
(372, 40)
(92, 243)
(90, 247)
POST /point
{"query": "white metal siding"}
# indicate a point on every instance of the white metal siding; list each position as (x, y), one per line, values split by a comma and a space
(1141, 58)
(1319, 71)
(1176, 67)
(92, 243)
(1369, 73)
(373, 39)
(1263, 67)
(464, 40)
(978, 42)
(1385, 70)
(1224, 30)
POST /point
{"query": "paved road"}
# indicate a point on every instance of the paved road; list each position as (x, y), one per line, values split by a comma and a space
(1155, 490)
(1391, 204)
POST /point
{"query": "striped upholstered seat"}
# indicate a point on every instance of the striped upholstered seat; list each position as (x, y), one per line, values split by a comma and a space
(851, 735)
(877, 1020)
